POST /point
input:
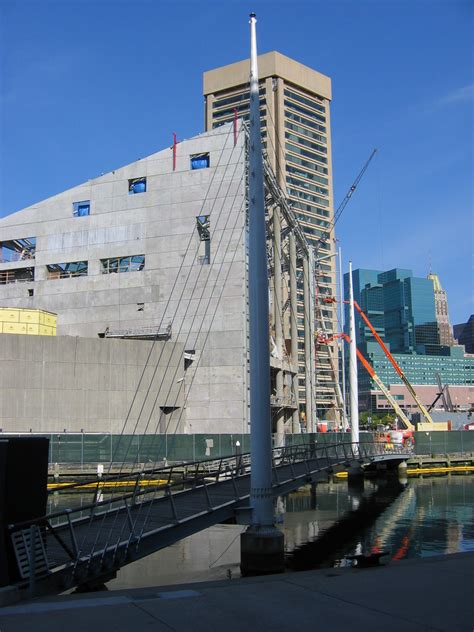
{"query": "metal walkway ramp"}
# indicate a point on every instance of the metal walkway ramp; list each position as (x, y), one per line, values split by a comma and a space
(89, 544)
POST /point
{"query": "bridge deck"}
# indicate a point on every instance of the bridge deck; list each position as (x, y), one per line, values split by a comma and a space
(83, 545)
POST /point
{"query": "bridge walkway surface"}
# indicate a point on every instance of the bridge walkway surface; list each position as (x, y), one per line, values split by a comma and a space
(90, 543)
(431, 594)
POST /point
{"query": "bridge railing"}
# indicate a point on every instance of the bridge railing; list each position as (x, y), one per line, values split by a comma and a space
(59, 529)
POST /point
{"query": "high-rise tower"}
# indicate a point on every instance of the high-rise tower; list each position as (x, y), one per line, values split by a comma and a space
(295, 117)
(442, 316)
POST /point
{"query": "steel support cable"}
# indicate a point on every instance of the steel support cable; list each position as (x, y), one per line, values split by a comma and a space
(238, 217)
(191, 241)
(231, 182)
(317, 304)
(306, 312)
(188, 247)
(223, 256)
(224, 176)
(186, 398)
(217, 305)
(209, 331)
(305, 307)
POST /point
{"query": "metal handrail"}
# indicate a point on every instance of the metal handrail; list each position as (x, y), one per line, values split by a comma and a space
(235, 465)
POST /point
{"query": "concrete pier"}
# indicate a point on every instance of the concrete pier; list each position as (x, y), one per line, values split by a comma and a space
(430, 594)
(262, 551)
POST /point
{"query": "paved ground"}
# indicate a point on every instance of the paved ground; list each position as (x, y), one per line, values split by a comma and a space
(430, 594)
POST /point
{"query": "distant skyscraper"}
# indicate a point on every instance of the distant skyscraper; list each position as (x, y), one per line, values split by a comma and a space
(296, 133)
(401, 307)
(464, 334)
(442, 316)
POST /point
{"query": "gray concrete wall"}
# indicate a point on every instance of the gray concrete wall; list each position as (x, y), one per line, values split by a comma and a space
(49, 384)
(205, 304)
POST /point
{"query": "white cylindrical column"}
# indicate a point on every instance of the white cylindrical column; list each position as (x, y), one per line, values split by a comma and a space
(278, 322)
(296, 428)
(262, 545)
(345, 424)
(353, 365)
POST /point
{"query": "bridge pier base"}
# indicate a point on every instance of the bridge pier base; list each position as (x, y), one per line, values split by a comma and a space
(355, 475)
(313, 496)
(262, 551)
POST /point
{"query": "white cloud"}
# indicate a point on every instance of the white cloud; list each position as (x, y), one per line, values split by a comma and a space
(457, 96)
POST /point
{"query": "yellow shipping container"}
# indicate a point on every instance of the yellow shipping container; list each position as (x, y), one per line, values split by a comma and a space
(44, 330)
(9, 315)
(29, 316)
(32, 322)
(49, 319)
(15, 328)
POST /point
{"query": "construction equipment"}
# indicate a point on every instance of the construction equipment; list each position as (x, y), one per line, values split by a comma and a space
(349, 194)
(409, 427)
(428, 424)
(324, 239)
(444, 394)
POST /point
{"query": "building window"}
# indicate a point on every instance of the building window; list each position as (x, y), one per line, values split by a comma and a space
(67, 270)
(204, 234)
(81, 209)
(17, 249)
(136, 185)
(200, 161)
(17, 276)
(134, 263)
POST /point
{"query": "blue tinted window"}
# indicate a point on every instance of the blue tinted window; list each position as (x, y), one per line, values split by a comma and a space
(81, 209)
(200, 161)
(136, 185)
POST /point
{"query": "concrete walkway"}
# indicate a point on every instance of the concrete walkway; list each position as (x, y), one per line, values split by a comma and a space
(431, 594)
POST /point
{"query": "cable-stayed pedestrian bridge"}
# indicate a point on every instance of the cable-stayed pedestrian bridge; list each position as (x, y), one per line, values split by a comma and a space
(88, 544)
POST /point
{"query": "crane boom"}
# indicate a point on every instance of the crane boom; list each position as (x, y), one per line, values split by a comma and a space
(349, 194)
(395, 365)
(370, 370)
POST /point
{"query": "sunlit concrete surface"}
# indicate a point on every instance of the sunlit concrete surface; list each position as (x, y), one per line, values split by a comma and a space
(430, 594)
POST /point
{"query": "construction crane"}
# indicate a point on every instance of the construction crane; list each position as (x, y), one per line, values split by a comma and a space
(429, 423)
(324, 238)
(337, 214)
(354, 186)
(407, 437)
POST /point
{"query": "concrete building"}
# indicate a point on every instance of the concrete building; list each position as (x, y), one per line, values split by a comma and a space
(156, 250)
(462, 398)
(296, 134)
(72, 384)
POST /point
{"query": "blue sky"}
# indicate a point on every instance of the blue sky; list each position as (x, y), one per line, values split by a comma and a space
(87, 86)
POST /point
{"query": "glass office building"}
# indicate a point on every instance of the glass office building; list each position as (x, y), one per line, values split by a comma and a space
(402, 309)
